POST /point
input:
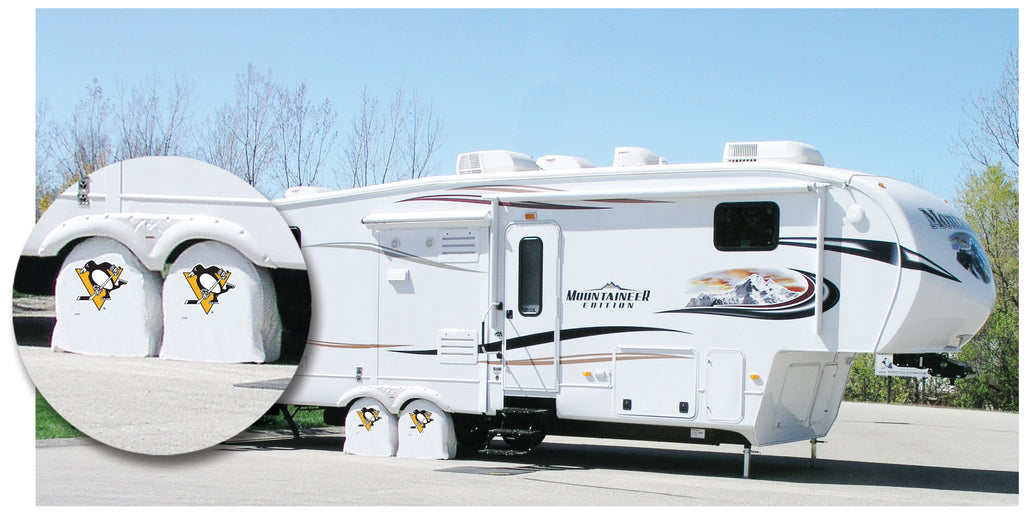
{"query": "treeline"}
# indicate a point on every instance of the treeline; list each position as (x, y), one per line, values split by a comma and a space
(988, 196)
(271, 135)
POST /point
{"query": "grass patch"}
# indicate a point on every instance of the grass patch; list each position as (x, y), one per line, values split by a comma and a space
(49, 424)
(307, 417)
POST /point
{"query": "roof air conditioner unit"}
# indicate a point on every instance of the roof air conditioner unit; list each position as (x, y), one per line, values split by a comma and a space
(634, 156)
(772, 151)
(553, 162)
(303, 190)
(495, 161)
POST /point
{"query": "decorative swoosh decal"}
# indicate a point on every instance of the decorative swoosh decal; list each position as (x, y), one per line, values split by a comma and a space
(479, 200)
(586, 358)
(549, 337)
(881, 251)
(506, 188)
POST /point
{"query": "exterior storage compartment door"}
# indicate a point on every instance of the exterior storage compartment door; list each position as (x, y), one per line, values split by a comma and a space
(655, 382)
(723, 396)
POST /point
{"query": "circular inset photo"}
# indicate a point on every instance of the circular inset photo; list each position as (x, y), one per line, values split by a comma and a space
(161, 305)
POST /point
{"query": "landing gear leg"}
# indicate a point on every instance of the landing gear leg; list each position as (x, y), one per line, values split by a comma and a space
(746, 461)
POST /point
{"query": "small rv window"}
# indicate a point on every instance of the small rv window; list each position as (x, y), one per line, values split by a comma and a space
(747, 226)
(531, 275)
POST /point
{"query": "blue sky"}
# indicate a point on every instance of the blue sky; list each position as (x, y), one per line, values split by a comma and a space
(875, 90)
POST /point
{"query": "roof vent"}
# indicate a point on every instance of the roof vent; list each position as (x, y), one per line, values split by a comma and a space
(633, 156)
(496, 161)
(552, 162)
(303, 190)
(772, 151)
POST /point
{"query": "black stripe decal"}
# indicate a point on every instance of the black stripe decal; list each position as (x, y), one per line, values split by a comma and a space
(881, 251)
(549, 337)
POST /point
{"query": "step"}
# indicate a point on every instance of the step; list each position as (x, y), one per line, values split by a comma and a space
(503, 452)
(515, 432)
(524, 411)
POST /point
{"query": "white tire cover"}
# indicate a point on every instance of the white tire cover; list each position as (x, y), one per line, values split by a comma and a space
(370, 429)
(106, 302)
(425, 432)
(219, 307)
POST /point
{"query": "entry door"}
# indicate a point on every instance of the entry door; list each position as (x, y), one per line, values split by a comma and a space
(530, 348)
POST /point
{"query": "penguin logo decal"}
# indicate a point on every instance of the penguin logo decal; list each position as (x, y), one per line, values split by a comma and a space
(420, 418)
(208, 283)
(369, 416)
(99, 280)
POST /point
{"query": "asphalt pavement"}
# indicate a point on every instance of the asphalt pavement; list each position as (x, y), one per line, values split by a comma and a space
(875, 455)
(154, 406)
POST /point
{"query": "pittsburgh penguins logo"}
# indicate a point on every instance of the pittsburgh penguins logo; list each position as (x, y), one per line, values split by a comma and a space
(99, 280)
(420, 418)
(208, 283)
(369, 416)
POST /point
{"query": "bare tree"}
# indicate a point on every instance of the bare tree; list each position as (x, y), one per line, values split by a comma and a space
(307, 137)
(242, 137)
(217, 143)
(424, 133)
(993, 133)
(150, 126)
(399, 144)
(47, 179)
(82, 144)
(359, 154)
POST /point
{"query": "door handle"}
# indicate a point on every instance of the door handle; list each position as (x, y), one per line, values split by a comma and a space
(508, 314)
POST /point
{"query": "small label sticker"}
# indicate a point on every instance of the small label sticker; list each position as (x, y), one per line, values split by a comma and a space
(696, 433)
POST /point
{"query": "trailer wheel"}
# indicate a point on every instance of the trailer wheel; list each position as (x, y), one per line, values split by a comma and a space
(425, 431)
(106, 302)
(472, 433)
(370, 429)
(219, 307)
(523, 442)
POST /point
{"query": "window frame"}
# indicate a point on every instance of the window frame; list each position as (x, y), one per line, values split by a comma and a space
(534, 291)
(773, 223)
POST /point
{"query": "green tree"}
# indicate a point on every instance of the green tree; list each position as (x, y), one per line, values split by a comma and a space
(989, 200)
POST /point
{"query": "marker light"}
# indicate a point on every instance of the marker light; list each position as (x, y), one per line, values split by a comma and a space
(587, 374)
(755, 377)
(531, 215)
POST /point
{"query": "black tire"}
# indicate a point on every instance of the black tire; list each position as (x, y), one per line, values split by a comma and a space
(523, 442)
(471, 434)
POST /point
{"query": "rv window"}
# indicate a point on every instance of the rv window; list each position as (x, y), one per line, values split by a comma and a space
(531, 275)
(746, 226)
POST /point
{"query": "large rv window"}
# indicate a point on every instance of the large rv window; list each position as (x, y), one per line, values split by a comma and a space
(747, 226)
(531, 275)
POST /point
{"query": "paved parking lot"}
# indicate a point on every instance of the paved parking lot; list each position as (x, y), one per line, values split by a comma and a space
(154, 406)
(875, 455)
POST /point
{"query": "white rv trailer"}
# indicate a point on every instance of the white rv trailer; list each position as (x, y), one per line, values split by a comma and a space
(710, 303)
(150, 212)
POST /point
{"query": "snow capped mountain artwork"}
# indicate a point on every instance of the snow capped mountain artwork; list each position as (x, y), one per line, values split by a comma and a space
(745, 288)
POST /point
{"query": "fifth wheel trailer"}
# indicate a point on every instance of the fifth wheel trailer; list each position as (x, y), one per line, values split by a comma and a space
(710, 303)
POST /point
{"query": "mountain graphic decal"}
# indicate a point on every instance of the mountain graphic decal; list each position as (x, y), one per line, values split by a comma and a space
(757, 293)
(755, 290)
